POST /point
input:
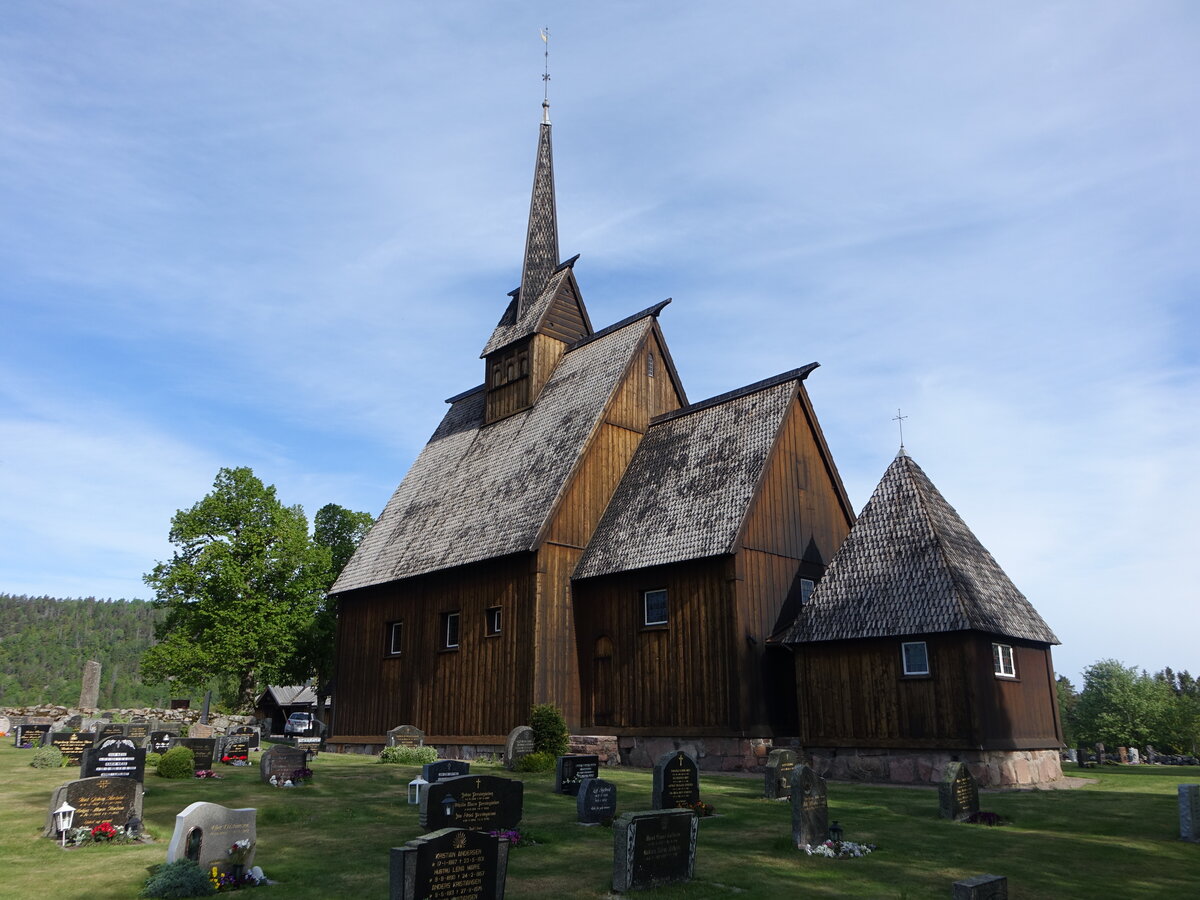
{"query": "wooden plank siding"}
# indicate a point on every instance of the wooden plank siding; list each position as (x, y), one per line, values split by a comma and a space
(484, 687)
(854, 694)
(565, 319)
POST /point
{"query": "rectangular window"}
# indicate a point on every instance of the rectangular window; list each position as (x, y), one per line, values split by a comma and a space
(654, 607)
(491, 621)
(394, 638)
(806, 589)
(1002, 660)
(449, 631)
(916, 658)
(650, 364)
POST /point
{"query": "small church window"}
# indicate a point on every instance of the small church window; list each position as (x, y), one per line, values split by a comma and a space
(916, 658)
(491, 622)
(449, 630)
(806, 589)
(1002, 660)
(650, 364)
(395, 638)
(654, 607)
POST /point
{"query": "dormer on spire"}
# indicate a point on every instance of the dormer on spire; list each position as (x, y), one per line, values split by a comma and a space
(541, 239)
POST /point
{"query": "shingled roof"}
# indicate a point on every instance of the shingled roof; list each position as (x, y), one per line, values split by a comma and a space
(519, 322)
(477, 492)
(689, 485)
(910, 565)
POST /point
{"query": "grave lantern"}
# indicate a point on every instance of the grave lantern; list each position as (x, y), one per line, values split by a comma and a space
(63, 817)
(448, 805)
(414, 789)
(835, 833)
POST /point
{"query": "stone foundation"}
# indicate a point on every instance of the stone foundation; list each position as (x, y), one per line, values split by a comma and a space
(712, 754)
(991, 768)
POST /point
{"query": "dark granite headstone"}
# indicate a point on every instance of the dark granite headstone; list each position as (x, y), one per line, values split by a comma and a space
(596, 801)
(30, 733)
(252, 733)
(406, 736)
(72, 745)
(777, 780)
(113, 757)
(282, 762)
(810, 808)
(450, 863)
(110, 729)
(676, 781)
(96, 800)
(981, 887)
(480, 803)
(1189, 812)
(570, 770)
(958, 793)
(517, 745)
(204, 832)
(138, 732)
(235, 747)
(444, 769)
(653, 848)
(202, 749)
(159, 741)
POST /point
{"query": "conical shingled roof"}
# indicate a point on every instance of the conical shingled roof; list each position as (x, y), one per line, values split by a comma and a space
(910, 565)
(541, 237)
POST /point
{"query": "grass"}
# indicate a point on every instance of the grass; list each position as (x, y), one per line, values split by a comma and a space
(1118, 837)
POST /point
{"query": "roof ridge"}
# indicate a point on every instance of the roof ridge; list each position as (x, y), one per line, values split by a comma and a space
(737, 393)
(617, 326)
(467, 393)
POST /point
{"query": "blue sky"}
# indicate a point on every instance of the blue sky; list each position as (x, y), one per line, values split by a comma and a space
(278, 234)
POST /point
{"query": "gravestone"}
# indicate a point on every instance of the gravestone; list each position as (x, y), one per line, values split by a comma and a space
(201, 730)
(89, 694)
(1082, 754)
(958, 793)
(30, 733)
(810, 808)
(571, 769)
(282, 762)
(517, 745)
(1072, 756)
(777, 780)
(596, 801)
(110, 730)
(1135, 758)
(474, 802)
(252, 733)
(406, 736)
(1151, 754)
(204, 832)
(676, 781)
(1122, 755)
(5, 725)
(981, 887)
(71, 744)
(234, 747)
(444, 769)
(159, 741)
(1189, 812)
(654, 848)
(1099, 753)
(138, 732)
(202, 749)
(114, 757)
(449, 863)
(96, 800)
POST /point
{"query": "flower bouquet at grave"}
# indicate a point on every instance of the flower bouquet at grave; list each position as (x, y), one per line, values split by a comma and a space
(700, 808)
(234, 759)
(207, 773)
(302, 775)
(838, 849)
(983, 817)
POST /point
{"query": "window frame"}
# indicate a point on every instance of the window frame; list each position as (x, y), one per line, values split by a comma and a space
(394, 638)
(998, 660)
(493, 621)
(666, 620)
(904, 645)
(449, 616)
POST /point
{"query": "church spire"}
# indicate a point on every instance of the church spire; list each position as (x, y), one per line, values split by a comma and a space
(541, 239)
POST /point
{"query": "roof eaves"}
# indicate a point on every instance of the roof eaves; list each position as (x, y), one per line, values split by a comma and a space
(793, 375)
(465, 394)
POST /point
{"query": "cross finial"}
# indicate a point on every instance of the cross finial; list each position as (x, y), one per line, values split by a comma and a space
(545, 33)
(899, 419)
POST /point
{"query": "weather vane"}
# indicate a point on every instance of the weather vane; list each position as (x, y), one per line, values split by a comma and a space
(900, 420)
(545, 33)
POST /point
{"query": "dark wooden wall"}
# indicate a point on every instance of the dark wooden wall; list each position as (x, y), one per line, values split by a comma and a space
(854, 694)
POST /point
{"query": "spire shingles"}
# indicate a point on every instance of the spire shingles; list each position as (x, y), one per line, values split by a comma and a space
(541, 239)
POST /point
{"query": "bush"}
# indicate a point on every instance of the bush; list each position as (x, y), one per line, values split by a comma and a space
(182, 878)
(408, 756)
(152, 760)
(178, 762)
(538, 761)
(549, 729)
(47, 758)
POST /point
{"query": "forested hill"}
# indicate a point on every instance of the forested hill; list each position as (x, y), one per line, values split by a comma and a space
(44, 643)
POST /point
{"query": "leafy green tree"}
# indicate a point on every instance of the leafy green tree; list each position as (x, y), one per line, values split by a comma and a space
(240, 591)
(1119, 706)
(1180, 730)
(1068, 702)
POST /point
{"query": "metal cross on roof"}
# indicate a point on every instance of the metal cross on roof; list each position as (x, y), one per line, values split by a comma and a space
(899, 419)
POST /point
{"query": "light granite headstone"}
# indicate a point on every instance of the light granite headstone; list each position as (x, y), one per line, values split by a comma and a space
(654, 848)
(810, 808)
(96, 800)
(1122, 755)
(981, 887)
(406, 736)
(449, 863)
(517, 745)
(676, 781)
(777, 780)
(958, 793)
(205, 832)
(1189, 812)
(5, 726)
(89, 695)
(1135, 758)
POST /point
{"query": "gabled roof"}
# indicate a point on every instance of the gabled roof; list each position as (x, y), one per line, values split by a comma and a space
(560, 295)
(289, 694)
(688, 488)
(910, 565)
(477, 492)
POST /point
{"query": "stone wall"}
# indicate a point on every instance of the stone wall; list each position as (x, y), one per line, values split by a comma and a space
(58, 715)
(991, 768)
(712, 754)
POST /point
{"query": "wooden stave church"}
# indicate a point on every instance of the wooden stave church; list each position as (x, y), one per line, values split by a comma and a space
(520, 559)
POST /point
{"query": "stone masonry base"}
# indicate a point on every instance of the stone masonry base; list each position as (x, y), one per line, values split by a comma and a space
(991, 768)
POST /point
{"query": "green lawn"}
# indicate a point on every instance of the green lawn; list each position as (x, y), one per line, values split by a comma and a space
(1116, 838)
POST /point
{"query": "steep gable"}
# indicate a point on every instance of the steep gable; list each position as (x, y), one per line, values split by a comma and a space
(911, 565)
